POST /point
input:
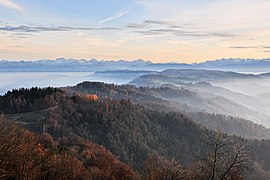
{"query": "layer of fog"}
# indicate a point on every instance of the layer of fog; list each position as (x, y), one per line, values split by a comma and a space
(246, 97)
(242, 95)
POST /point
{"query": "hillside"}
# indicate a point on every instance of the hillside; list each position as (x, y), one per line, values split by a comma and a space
(230, 125)
(175, 99)
(25, 155)
(130, 131)
(123, 127)
(27, 109)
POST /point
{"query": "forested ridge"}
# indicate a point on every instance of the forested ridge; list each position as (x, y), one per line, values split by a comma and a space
(130, 131)
(27, 100)
(152, 99)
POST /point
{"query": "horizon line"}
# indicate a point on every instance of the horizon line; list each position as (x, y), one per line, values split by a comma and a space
(117, 60)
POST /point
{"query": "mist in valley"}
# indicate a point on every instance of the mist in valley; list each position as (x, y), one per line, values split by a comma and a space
(221, 92)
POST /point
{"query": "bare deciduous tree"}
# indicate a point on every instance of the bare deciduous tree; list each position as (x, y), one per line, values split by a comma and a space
(163, 170)
(224, 157)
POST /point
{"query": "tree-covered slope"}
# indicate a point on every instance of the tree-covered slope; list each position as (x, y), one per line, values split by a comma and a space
(169, 99)
(130, 131)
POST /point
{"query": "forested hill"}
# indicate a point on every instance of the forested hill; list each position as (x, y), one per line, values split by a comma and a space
(35, 99)
(163, 100)
(130, 131)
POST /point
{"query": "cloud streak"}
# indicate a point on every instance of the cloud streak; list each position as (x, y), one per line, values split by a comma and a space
(11, 5)
(148, 23)
(31, 29)
(168, 28)
(250, 47)
(158, 22)
(176, 32)
(136, 26)
(116, 16)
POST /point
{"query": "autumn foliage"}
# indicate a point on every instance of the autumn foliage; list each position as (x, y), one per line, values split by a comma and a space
(90, 97)
(22, 156)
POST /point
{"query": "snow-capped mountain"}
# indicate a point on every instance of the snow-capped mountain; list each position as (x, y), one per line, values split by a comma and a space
(237, 64)
(62, 64)
(93, 65)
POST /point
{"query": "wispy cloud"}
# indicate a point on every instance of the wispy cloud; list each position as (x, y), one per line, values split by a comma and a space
(251, 47)
(168, 25)
(17, 46)
(176, 27)
(29, 29)
(116, 16)
(177, 32)
(136, 26)
(169, 28)
(259, 48)
(159, 22)
(18, 37)
(12, 5)
(149, 23)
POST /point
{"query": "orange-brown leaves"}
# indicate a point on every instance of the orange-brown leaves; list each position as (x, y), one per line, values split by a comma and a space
(90, 97)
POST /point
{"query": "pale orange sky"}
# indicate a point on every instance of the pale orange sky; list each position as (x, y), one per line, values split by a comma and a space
(157, 30)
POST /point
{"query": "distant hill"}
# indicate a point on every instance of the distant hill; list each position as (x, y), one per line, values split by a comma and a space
(118, 76)
(216, 91)
(206, 75)
(265, 75)
(230, 125)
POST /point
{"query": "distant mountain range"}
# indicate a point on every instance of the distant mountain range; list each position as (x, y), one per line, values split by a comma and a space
(69, 65)
(74, 65)
(239, 65)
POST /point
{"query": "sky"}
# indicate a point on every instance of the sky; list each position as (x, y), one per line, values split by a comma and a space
(158, 30)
